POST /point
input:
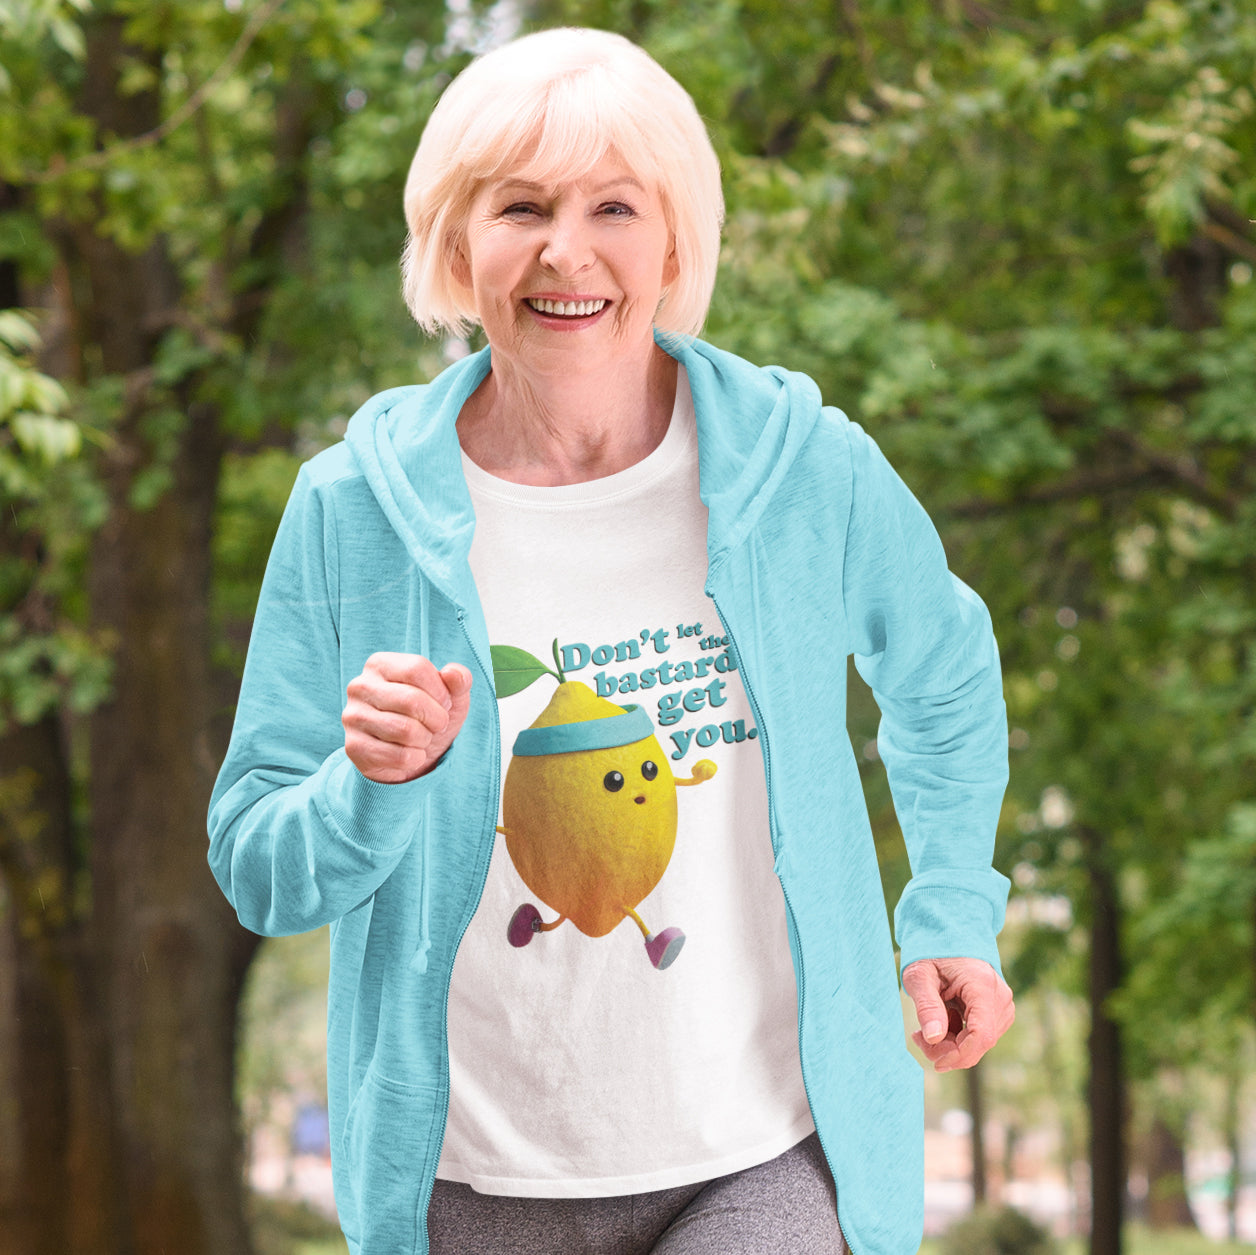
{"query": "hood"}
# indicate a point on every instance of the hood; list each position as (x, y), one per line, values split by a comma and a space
(406, 444)
(751, 421)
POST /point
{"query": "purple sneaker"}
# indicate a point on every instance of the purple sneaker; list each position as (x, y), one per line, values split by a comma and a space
(525, 923)
(664, 948)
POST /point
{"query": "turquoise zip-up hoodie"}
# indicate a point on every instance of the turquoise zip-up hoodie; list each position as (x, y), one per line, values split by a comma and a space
(816, 551)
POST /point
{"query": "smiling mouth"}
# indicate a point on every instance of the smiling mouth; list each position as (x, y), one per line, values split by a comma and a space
(566, 309)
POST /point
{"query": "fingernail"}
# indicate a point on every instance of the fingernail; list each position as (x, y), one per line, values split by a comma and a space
(935, 1030)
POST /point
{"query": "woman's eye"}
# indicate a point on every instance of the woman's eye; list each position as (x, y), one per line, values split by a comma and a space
(617, 209)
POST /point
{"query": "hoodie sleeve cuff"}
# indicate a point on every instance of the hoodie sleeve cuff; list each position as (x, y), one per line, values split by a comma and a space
(951, 914)
(376, 817)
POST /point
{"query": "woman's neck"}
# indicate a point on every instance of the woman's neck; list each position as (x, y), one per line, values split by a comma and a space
(568, 429)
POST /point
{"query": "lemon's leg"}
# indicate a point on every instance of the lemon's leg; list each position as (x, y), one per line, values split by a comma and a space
(636, 919)
(525, 923)
(662, 947)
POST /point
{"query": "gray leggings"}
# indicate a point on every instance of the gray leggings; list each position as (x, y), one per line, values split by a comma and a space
(786, 1206)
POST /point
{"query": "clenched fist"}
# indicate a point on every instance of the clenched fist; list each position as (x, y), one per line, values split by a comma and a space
(403, 714)
(964, 1006)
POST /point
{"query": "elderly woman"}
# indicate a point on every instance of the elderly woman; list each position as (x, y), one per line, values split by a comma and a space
(610, 964)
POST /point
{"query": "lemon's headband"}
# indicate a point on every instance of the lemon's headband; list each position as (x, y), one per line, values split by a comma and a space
(589, 734)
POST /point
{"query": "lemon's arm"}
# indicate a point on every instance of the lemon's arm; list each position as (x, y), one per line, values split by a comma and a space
(502, 831)
(703, 770)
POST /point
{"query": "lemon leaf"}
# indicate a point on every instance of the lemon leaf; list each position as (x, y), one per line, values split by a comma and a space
(514, 669)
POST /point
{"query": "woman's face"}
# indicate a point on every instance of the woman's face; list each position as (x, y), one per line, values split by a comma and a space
(567, 277)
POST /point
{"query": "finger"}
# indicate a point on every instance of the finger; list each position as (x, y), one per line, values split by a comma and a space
(934, 1052)
(922, 984)
(381, 761)
(987, 1021)
(393, 712)
(389, 727)
(457, 679)
(409, 669)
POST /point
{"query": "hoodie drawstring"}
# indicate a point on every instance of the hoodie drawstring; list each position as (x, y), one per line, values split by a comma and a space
(418, 962)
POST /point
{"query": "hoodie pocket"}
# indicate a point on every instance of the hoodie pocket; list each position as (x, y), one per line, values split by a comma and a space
(388, 1148)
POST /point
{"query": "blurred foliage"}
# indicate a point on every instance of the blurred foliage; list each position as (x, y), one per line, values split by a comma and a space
(284, 1227)
(48, 661)
(997, 1231)
(281, 1060)
(1139, 1241)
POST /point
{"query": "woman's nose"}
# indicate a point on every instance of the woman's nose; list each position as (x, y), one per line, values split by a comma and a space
(568, 245)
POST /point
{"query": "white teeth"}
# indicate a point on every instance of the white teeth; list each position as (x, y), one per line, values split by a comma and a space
(566, 309)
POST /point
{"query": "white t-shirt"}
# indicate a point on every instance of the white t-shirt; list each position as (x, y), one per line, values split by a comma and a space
(584, 1060)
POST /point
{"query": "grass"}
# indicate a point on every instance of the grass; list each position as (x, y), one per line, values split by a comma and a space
(1141, 1241)
(283, 1227)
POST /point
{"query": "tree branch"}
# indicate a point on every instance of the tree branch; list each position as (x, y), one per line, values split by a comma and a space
(1076, 488)
(1183, 471)
(854, 23)
(1230, 240)
(1151, 468)
(97, 160)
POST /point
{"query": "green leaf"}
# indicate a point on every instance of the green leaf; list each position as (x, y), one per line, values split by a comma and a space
(54, 439)
(150, 484)
(68, 37)
(17, 331)
(514, 669)
(12, 386)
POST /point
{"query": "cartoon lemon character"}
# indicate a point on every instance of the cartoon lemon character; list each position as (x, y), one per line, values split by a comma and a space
(588, 808)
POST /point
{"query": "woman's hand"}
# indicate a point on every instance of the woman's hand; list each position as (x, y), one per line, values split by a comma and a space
(964, 1006)
(403, 714)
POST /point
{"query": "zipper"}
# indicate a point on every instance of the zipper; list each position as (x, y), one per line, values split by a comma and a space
(481, 871)
(789, 909)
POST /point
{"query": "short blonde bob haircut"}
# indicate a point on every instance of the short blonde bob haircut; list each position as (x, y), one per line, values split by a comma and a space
(547, 108)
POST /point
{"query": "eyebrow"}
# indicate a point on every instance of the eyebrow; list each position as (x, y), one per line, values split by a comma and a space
(626, 181)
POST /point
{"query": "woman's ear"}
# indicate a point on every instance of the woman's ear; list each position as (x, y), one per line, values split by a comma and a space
(460, 265)
(671, 265)
(459, 257)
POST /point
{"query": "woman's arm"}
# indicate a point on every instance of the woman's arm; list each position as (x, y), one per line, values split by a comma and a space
(924, 644)
(298, 835)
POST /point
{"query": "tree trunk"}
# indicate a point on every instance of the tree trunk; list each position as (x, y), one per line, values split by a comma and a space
(1070, 1139)
(172, 950)
(977, 1110)
(58, 1193)
(124, 963)
(1167, 1204)
(1106, 1088)
(1233, 1130)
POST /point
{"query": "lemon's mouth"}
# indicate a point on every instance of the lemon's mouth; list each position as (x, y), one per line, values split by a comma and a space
(566, 309)
(639, 799)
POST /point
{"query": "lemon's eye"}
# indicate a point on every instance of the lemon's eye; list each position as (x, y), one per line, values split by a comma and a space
(649, 769)
(613, 781)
